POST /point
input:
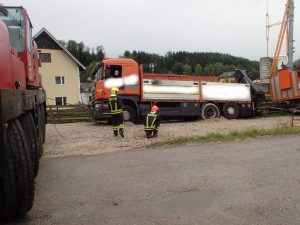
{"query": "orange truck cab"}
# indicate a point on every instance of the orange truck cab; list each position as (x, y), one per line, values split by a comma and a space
(122, 73)
(176, 95)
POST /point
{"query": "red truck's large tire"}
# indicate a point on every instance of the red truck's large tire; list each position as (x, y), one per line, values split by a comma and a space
(231, 110)
(17, 183)
(209, 111)
(42, 118)
(33, 141)
(129, 114)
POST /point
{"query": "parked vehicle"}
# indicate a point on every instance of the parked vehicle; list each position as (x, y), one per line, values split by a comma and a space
(176, 95)
(22, 113)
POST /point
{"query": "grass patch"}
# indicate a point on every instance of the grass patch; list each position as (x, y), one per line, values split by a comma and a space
(234, 135)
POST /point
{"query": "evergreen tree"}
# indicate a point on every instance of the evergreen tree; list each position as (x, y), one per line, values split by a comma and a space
(204, 63)
(198, 70)
(177, 68)
(187, 69)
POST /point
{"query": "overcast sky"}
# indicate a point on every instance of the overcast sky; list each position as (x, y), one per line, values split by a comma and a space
(236, 27)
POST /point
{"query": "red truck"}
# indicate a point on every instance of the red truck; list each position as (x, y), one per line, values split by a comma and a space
(176, 95)
(22, 113)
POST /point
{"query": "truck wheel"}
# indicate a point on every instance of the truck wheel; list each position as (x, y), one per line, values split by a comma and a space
(231, 110)
(210, 111)
(33, 141)
(17, 184)
(129, 114)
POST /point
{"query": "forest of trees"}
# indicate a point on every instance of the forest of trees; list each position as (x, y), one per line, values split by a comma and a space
(182, 62)
(193, 63)
(88, 57)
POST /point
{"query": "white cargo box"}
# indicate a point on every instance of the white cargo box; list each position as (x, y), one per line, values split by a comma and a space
(190, 90)
(171, 90)
(215, 91)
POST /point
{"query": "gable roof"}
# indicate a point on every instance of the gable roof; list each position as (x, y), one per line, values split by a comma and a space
(44, 30)
(227, 74)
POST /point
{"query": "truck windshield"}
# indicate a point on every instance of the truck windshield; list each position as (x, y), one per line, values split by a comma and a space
(14, 20)
(99, 74)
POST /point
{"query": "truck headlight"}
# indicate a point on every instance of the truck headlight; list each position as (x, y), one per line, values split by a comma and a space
(98, 106)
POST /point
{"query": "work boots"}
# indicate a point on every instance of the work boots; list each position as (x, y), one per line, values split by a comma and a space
(155, 133)
(116, 133)
(121, 132)
(148, 134)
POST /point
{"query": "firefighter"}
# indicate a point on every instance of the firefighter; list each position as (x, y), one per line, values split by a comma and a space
(116, 109)
(152, 122)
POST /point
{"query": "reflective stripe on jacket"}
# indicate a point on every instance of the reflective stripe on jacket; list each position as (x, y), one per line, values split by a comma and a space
(151, 122)
(114, 105)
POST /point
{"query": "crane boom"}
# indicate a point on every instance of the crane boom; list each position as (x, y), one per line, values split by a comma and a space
(285, 29)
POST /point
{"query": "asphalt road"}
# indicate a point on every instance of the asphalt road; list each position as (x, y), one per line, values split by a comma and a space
(256, 181)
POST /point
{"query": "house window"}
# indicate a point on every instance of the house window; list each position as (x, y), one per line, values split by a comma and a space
(59, 80)
(45, 57)
(60, 100)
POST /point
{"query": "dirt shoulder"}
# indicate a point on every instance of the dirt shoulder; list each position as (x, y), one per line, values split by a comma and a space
(90, 138)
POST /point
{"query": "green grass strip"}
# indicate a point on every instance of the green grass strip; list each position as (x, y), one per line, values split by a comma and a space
(234, 135)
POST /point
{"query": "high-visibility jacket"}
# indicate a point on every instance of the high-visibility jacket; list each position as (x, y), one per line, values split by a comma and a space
(152, 121)
(115, 105)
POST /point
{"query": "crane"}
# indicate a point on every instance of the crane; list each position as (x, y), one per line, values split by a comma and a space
(286, 30)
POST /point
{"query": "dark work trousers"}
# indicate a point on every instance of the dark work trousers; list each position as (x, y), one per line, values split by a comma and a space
(118, 124)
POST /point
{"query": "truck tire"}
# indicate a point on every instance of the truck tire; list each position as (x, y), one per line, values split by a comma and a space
(33, 141)
(42, 118)
(129, 114)
(210, 111)
(231, 110)
(17, 182)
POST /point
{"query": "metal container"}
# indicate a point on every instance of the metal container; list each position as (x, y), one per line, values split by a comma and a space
(264, 67)
(265, 85)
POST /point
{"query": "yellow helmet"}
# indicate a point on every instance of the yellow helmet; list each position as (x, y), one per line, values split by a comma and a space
(115, 90)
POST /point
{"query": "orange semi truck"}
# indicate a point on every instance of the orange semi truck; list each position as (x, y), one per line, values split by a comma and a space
(176, 95)
(22, 113)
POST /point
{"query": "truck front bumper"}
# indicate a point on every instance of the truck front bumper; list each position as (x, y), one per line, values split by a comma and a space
(101, 110)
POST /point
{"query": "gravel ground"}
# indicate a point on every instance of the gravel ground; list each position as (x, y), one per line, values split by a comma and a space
(90, 138)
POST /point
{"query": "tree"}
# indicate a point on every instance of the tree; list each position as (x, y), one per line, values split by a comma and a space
(198, 70)
(127, 54)
(209, 70)
(72, 47)
(87, 72)
(212, 63)
(100, 54)
(177, 68)
(187, 69)
(219, 68)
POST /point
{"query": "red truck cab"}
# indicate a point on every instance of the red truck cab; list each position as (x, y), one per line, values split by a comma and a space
(21, 68)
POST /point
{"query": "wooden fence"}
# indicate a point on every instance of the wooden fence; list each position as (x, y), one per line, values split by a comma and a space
(68, 113)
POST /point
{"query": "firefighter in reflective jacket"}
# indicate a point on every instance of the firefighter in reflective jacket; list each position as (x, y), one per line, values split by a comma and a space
(152, 122)
(116, 109)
